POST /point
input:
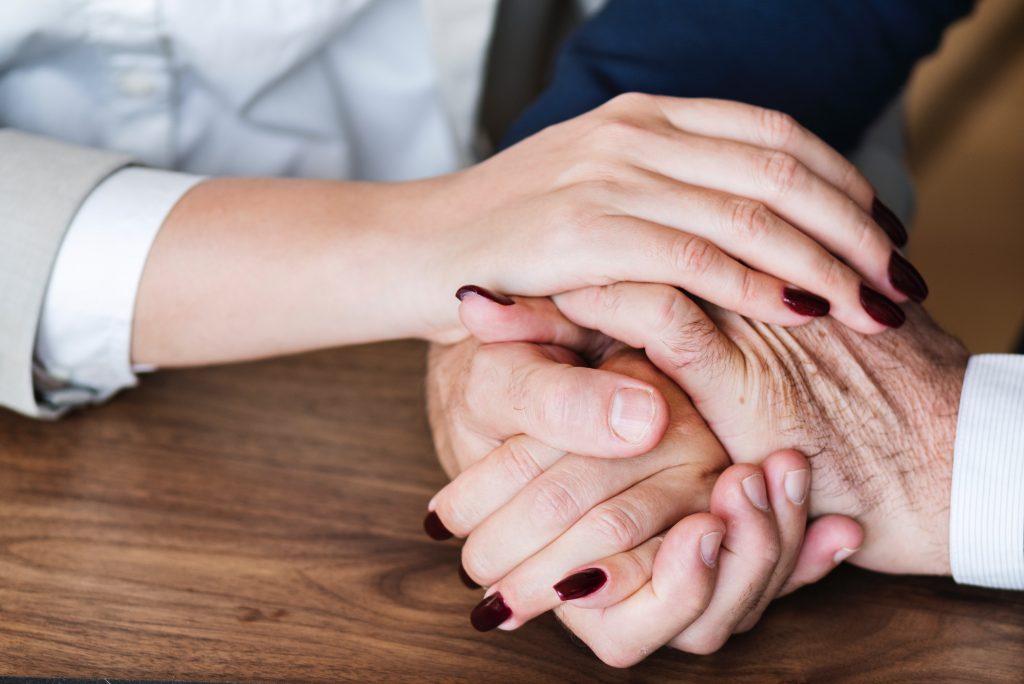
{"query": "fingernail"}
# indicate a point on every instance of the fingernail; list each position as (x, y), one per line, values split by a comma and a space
(466, 579)
(842, 554)
(804, 303)
(881, 308)
(753, 487)
(887, 219)
(490, 613)
(632, 413)
(461, 293)
(580, 584)
(710, 545)
(795, 483)
(905, 278)
(434, 528)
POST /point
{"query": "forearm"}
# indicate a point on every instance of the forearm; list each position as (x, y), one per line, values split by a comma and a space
(248, 268)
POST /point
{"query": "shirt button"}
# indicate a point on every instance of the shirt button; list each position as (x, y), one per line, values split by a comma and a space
(136, 83)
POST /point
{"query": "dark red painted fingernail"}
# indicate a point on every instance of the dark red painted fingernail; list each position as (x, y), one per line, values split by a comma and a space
(905, 278)
(490, 613)
(889, 222)
(433, 526)
(580, 584)
(881, 308)
(466, 579)
(461, 293)
(804, 303)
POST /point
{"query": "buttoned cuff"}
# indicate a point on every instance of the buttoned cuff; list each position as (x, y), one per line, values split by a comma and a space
(986, 525)
(83, 342)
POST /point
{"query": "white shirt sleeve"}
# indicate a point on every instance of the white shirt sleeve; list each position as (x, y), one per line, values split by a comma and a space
(986, 522)
(83, 343)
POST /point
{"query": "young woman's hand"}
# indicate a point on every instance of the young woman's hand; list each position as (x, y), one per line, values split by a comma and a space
(737, 205)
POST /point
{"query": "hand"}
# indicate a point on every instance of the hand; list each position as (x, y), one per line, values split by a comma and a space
(877, 415)
(529, 527)
(734, 203)
(728, 201)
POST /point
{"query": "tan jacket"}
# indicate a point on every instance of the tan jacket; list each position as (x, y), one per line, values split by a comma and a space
(42, 184)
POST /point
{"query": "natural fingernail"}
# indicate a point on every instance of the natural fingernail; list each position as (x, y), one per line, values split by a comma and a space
(905, 278)
(710, 544)
(632, 413)
(580, 584)
(795, 483)
(888, 221)
(495, 297)
(466, 579)
(434, 528)
(753, 487)
(842, 554)
(490, 613)
(881, 308)
(804, 303)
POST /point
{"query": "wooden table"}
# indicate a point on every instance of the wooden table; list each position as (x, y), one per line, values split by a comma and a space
(264, 521)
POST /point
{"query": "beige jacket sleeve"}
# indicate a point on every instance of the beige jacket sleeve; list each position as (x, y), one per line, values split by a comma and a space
(42, 184)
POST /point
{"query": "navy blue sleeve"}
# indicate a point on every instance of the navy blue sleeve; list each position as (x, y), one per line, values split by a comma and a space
(832, 64)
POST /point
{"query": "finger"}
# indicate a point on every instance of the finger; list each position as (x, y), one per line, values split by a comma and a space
(518, 388)
(770, 129)
(751, 232)
(614, 526)
(492, 317)
(830, 540)
(490, 483)
(750, 553)
(678, 593)
(624, 246)
(606, 582)
(788, 478)
(789, 188)
(676, 334)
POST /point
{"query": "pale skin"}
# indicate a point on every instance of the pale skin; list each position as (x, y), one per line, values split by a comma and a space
(735, 204)
(644, 188)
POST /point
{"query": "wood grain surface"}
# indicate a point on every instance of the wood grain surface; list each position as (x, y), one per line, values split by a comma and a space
(263, 522)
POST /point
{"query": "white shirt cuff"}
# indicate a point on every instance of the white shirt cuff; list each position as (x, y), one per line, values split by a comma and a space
(986, 521)
(83, 343)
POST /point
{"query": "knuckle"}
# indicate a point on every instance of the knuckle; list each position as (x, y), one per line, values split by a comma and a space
(777, 128)
(692, 255)
(865, 233)
(476, 563)
(570, 223)
(748, 289)
(631, 101)
(457, 518)
(619, 524)
(614, 654)
(782, 172)
(555, 502)
(519, 464)
(668, 306)
(748, 219)
(559, 404)
(482, 373)
(852, 181)
(831, 272)
(704, 643)
(618, 130)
